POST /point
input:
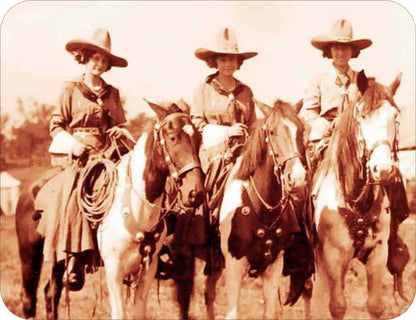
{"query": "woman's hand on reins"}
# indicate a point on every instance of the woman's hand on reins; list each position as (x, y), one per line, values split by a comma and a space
(115, 132)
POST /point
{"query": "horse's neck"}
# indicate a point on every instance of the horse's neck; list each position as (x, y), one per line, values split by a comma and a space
(144, 211)
(266, 184)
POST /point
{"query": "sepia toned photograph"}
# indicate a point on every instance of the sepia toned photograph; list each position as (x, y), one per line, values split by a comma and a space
(208, 160)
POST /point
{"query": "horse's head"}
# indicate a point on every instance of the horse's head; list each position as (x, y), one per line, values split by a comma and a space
(175, 152)
(376, 114)
(281, 135)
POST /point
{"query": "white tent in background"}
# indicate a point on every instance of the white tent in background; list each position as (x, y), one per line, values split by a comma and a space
(10, 191)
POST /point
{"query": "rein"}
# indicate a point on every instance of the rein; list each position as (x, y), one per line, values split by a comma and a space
(278, 170)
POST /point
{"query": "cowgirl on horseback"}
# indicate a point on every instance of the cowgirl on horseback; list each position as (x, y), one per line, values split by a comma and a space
(326, 97)
(89, 116)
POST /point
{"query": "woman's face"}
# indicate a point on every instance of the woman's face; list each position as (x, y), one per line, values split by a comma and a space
(341, 54)
(97, 64)
(227, 65)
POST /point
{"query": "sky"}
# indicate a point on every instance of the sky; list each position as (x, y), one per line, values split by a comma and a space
(159, 38)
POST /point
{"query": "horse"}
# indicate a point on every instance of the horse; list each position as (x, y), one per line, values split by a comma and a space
(257, 217)
(349, 198)
(130, 234)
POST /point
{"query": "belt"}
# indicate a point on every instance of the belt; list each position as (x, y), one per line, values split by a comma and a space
(89, 130)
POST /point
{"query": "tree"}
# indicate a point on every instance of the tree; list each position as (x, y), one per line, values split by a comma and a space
(139, 124)
(31, 139)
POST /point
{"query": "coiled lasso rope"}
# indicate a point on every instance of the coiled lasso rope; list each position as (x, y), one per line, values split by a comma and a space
(96, 189)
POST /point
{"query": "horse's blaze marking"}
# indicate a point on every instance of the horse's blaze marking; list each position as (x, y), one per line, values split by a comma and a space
(188, 130)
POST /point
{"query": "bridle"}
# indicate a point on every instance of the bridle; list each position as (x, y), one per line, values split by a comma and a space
(364, 155)
(366, 152)
(175, 171)
(279, 166)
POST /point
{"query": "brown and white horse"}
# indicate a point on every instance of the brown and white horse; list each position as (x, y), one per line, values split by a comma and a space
(351, 211)
(257, 214)
(131, 234)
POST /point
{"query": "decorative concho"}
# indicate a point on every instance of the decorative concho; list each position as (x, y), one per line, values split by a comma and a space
(260, 232)
(279, 232)
(245, 210)
(139, 236)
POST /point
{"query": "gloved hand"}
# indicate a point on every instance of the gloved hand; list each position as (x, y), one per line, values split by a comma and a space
(237, 130)
(115, 132)
(78, 149)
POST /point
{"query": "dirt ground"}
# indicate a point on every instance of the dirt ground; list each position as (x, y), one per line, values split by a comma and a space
(92, 301)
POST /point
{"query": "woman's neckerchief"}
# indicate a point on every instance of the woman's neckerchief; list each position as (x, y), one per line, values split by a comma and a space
(236, 109)
(98, 97)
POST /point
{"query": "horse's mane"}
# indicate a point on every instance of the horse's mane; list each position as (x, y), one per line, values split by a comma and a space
(342, 154)
(255, 149)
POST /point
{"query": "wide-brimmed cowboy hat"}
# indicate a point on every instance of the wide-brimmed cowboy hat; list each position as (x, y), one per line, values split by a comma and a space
(226, 43)
(340, 33)
(99, 41)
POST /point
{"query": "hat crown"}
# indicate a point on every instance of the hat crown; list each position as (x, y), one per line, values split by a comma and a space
(342, 30)
(226, 41)
(101, 38)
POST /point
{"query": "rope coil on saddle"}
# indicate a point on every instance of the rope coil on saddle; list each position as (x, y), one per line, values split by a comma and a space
(95, 195)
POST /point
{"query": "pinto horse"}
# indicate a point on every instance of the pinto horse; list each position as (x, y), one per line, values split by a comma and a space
(257, 215)
(351, 207)
(131, 234)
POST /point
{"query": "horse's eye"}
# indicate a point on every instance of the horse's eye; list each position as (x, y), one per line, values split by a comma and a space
(272, 132)
(172, 138)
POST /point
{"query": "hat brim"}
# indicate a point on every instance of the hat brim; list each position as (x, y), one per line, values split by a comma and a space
(205, 54)
(321, 42)
(76, 45)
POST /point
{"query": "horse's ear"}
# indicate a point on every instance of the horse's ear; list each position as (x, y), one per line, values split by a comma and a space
(298, 106)
(184, 106)
(362, 82)
(396, 84)
(159, 110)
(264, 108)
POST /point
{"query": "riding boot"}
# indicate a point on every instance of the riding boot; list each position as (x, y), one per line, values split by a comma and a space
(74, 276)
(299, 264)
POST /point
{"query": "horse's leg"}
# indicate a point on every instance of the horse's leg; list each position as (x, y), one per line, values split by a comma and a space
(271, 279)
(376, 266)
(30, 252)
(185, 284)
(210, 293)
(335, 261)
(53, 290)
(114, 279)
(376, 269)
(31, 263)
(139, 310)
(234, 272)
(307, 297)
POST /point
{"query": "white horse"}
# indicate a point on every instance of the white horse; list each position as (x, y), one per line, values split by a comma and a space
(258, 202)
(131, 235)
(351, 207)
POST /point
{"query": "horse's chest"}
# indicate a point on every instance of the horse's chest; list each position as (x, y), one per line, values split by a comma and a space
(360, 227)
(259, 236)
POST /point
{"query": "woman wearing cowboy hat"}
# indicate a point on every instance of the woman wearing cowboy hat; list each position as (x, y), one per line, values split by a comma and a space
(326, 97)
(222, 109)
(88, 116)
(330, 93)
